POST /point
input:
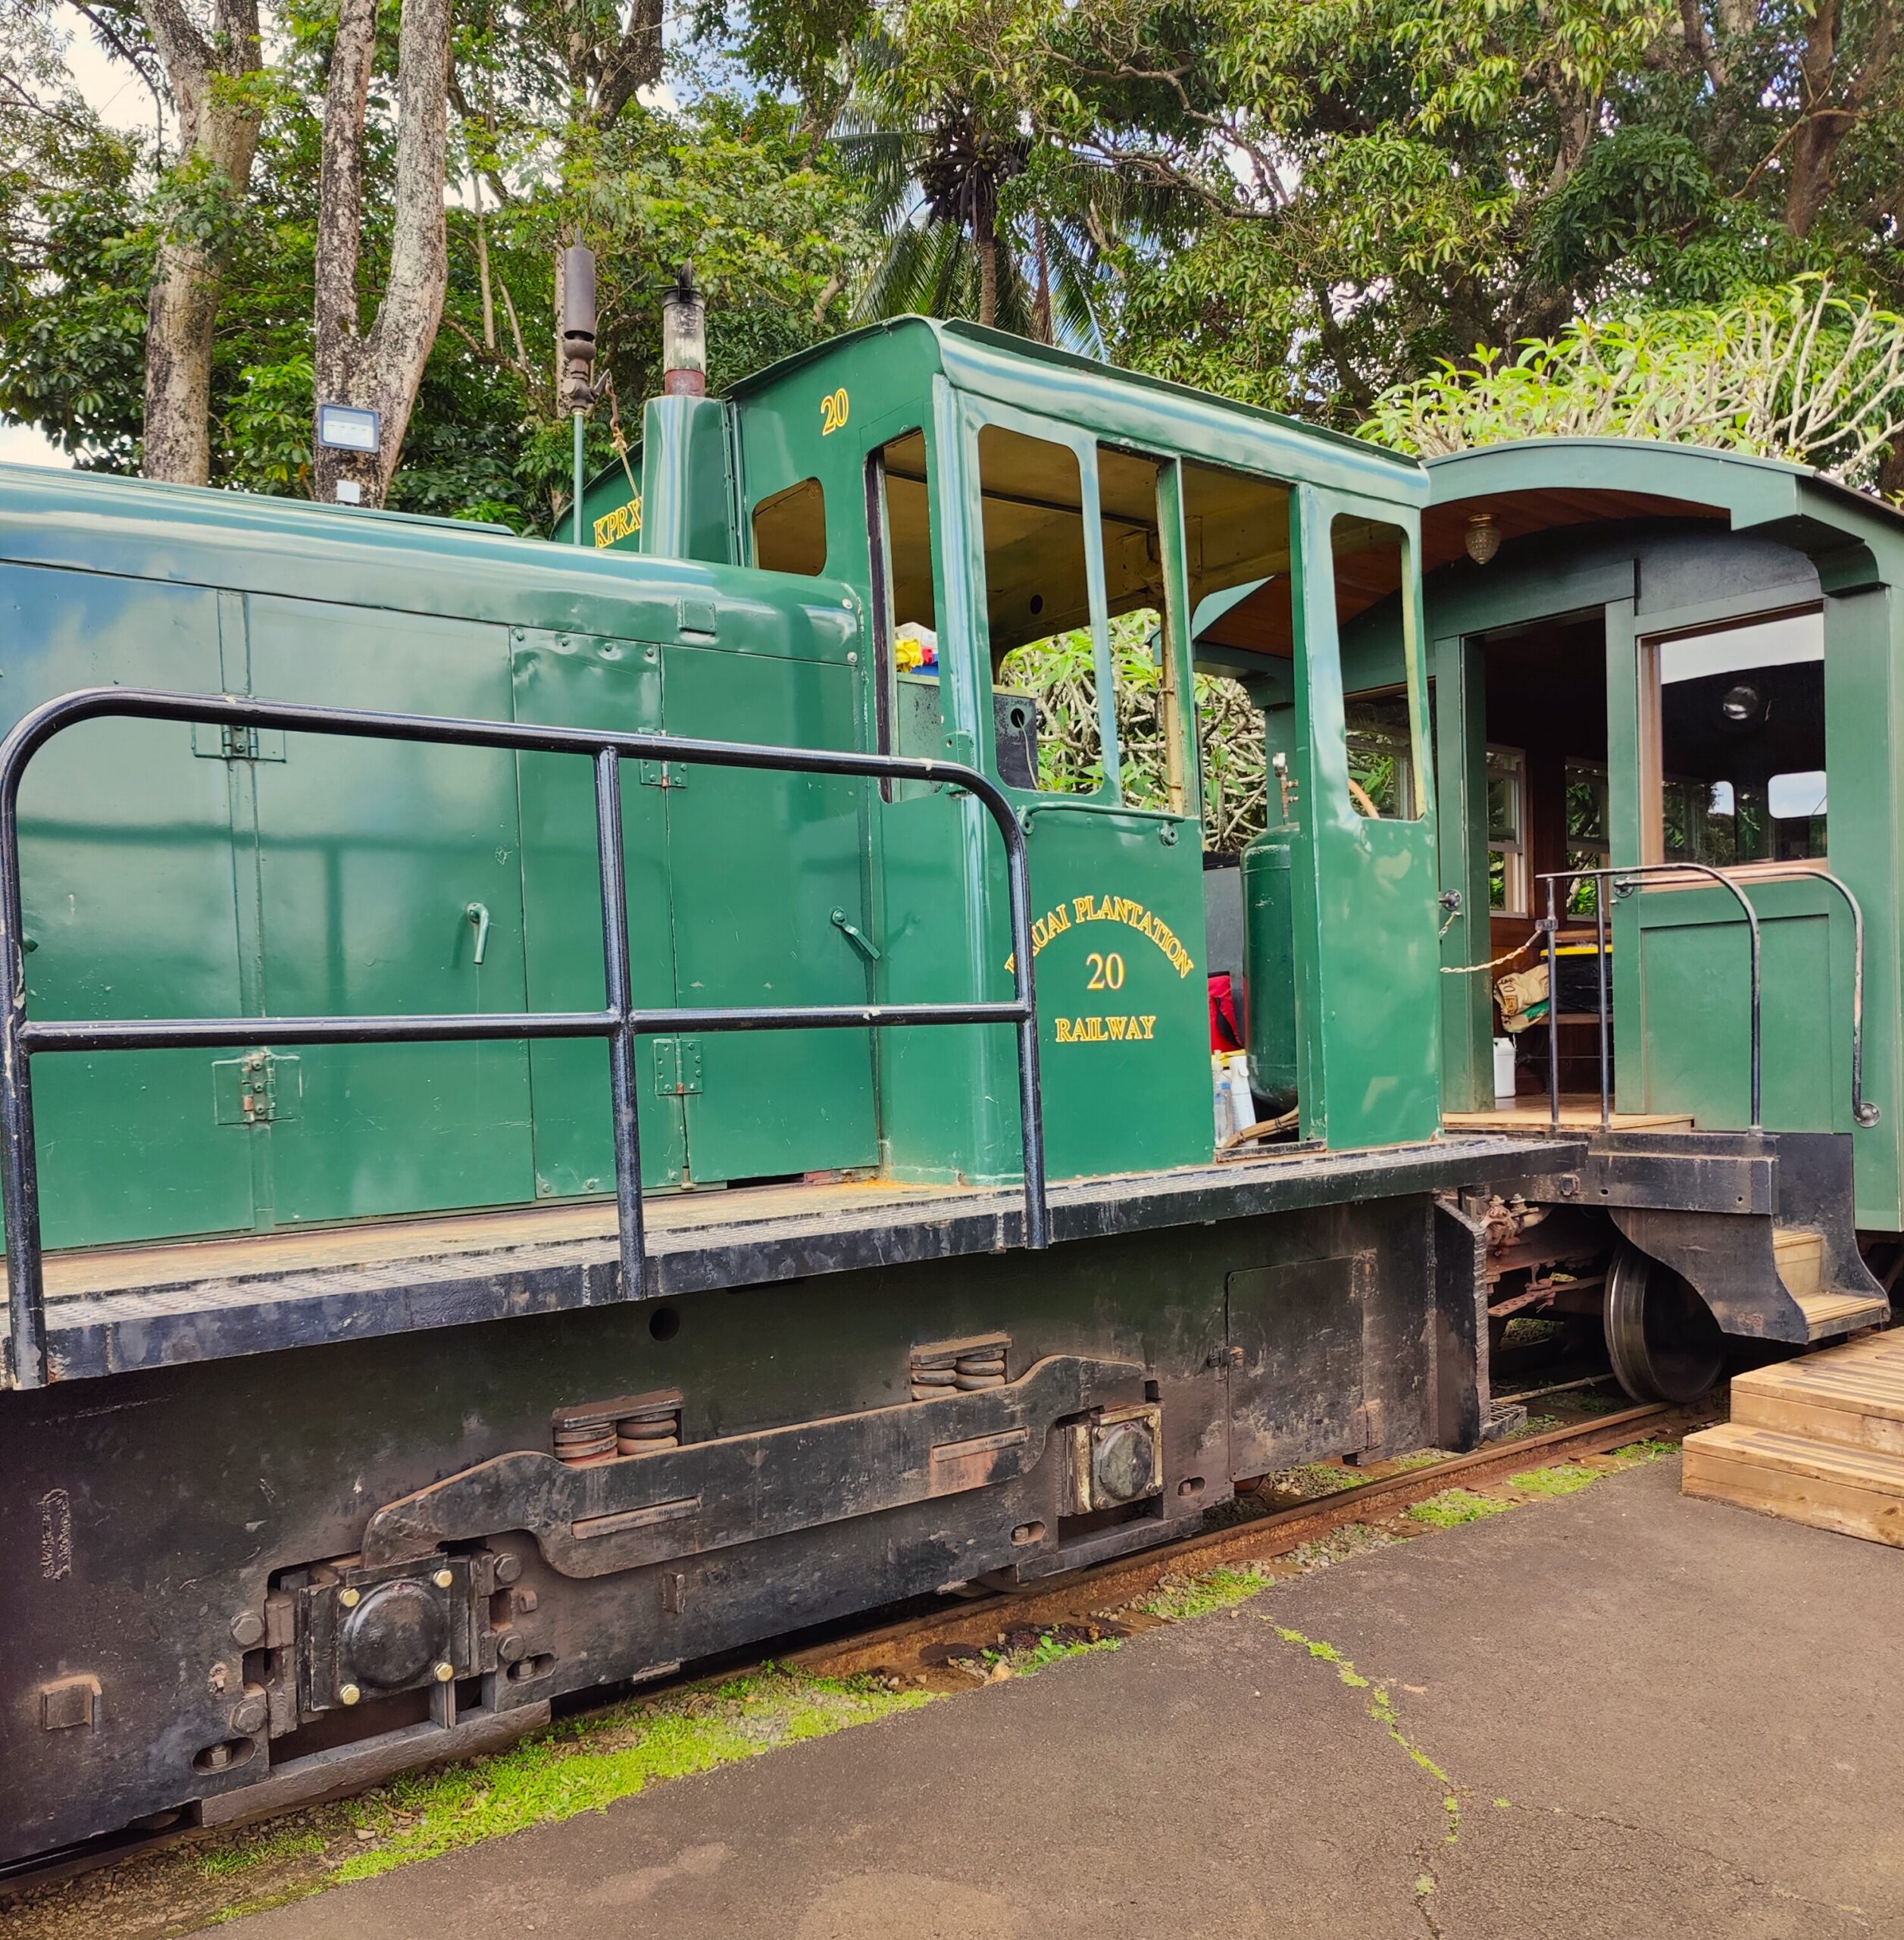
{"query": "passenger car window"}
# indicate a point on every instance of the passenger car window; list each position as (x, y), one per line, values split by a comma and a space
(1735, 758)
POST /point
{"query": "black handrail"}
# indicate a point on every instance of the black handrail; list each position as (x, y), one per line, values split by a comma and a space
(1550, 924)
(1863, 1113)
(618, 1020)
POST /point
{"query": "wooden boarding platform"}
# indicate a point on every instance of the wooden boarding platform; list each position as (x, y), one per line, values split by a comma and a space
(1819, 1440)
(1578, 1113)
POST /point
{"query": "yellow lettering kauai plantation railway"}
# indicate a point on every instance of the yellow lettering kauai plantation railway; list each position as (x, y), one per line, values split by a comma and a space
(1110, 909)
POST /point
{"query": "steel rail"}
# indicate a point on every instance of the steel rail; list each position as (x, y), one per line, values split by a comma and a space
(620, 1021)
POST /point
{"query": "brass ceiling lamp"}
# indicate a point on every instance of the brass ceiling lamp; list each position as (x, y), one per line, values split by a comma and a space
(1483, 537)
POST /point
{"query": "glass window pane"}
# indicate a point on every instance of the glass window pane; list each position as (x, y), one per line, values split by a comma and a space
(1740, 743)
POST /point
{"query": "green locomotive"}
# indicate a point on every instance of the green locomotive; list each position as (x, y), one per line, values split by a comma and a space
(349, 1385)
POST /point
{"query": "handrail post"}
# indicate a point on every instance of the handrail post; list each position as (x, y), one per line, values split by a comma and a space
(1620, 878)
(1554, 1012)
(1031, 1117)
(624, 1096)
(18, 1171)
(1862, 1115)
(1599, 949)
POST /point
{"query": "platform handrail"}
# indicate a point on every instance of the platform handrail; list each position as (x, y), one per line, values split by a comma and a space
(1632, 874)
(1623, 880)
(618, 1021)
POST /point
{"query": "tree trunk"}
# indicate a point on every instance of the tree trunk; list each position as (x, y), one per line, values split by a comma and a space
(1041, 322)
(988, 277)
(380, 370)
(180, 315)
(218, 124)
(1822, 126)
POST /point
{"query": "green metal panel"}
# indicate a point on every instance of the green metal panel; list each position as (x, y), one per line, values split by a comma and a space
(130, 906)
(687, 509)
(582, 681)
(1364, 888)
(1124, 1020)
(760, 861)
(1696, 1015)
(369, 854)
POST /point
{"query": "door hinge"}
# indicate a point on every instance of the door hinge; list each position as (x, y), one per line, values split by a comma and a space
(678, 1067)
(223, 741)
(259, 1088)
(664, 775)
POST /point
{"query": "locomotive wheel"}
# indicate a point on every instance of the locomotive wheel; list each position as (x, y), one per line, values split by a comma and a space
(1661, 1337)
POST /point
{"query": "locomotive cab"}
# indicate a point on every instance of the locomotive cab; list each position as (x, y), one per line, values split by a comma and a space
(1054, 562)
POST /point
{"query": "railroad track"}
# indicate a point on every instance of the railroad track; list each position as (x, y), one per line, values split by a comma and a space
(1074, 1599)
(1262, 1538)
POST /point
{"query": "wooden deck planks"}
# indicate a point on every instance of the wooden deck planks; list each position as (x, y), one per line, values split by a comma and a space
(1819, 1440)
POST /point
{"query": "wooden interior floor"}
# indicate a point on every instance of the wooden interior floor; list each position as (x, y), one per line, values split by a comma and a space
(1578, 1112)
(381, 1241)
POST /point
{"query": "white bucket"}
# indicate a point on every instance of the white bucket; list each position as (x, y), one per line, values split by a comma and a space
(1504, 1067)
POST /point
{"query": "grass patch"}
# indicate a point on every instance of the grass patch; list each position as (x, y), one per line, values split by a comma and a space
(585, 1765)
(270, 1845)
(1052, 1647)
(1179, 1598)
(1564, 1479)
(1635, 1452)
(1422, 1458)
(1454, 1506)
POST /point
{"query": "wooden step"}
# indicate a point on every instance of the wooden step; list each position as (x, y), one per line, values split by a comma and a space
(1854, 1492)
(1799, 1254)
(1827, 1316)
(1851, 1397)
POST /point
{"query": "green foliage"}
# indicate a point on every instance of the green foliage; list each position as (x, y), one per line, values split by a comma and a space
(586, 1765)
(1565, 1478)
(1803, 372)
(1062, 674)
(1177, 1599)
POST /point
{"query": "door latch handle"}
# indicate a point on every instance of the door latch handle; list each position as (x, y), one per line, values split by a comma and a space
(478, 913)
(860, 940)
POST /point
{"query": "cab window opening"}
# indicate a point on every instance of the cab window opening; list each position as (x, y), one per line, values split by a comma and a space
(1735, 770)
(790, 530)
(1236, 544)
(908, 717)
(1233, 760)
(1149, 714)
(1046, 711)
(1386, 779)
